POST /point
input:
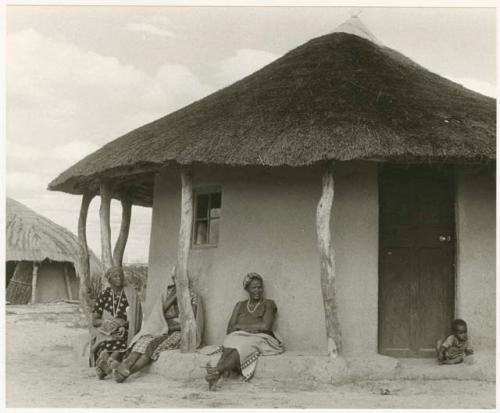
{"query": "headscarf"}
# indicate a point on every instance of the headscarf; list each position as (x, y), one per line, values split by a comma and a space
(112, 271)
(251, 276)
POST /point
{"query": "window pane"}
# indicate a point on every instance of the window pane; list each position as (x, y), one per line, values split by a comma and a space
(214, 231)
(215, 205)
(202, 206)
(215, 213)
(215, 202)
(200, 232)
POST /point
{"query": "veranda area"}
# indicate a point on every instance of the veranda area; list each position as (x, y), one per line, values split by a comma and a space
(41, 372)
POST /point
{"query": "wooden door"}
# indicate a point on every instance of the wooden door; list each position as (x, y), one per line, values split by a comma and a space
(416, 259)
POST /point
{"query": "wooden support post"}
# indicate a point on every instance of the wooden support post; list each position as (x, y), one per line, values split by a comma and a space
(67, 281)
(34, 282)
(121, 242)
(104, 214)
(187, 321)
(84, 264)
(327, 262)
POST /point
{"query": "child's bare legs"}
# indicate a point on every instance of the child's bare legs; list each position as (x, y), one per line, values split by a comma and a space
(456, 360)
(444, 356)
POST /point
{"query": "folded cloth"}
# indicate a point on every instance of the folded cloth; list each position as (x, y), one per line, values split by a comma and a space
(250, 347)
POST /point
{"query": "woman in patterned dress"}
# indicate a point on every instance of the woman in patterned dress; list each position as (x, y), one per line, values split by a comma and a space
(161, 331)
(116, 314)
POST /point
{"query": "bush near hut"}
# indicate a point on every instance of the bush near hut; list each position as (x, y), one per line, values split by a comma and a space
(136, 275)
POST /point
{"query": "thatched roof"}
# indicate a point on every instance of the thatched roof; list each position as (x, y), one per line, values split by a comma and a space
(32, 237)
(339, 97)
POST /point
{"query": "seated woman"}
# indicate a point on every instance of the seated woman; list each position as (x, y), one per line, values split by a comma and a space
(116, 317)
(161, 331)
(249, 334)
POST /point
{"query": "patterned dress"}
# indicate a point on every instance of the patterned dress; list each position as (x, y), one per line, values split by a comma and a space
(116, 305)
(154, 345)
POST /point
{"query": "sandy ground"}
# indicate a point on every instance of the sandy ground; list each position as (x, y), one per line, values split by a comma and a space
(41, 372)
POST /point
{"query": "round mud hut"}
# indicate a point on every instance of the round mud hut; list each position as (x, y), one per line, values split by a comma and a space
(358, 183)
(42, 258)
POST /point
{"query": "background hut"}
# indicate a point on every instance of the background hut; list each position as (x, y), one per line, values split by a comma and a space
(359, 183)
(41, 258)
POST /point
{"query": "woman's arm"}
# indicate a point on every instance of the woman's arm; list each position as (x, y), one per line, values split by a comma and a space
(169, 301)
(231, 326)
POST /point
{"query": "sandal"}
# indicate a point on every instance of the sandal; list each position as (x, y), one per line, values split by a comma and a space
(212, 376)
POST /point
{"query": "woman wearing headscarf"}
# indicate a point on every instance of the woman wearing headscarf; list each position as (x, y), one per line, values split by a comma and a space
(161, 331)
(249, 334)
(116, 317)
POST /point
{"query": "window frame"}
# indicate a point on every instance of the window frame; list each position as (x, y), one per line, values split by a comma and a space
(205, 190)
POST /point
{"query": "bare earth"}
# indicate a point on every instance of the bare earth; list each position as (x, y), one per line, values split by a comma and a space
(41, 372)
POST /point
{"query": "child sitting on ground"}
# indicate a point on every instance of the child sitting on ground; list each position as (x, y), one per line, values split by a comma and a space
(454, 349)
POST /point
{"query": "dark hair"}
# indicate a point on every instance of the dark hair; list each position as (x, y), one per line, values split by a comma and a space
(458, 323)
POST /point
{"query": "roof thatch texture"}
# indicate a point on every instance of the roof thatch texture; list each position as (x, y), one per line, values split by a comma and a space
(339, 97)
(32, 237)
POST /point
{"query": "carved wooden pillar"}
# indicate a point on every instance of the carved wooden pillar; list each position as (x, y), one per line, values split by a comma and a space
(121, 242)
(84, 264)
(187, 320)
(104, 214)
(327, 261)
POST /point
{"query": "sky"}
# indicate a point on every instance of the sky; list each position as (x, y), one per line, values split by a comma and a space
(78, 77)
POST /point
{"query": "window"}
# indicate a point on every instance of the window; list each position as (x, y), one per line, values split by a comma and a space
(207, 208)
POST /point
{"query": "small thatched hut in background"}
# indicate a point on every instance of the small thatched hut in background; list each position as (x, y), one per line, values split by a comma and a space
(42, 258)
(342, 145)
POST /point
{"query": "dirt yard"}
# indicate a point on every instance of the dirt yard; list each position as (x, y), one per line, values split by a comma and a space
(41, 372)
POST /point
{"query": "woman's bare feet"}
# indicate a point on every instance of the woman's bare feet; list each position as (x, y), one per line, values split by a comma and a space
(212, 376)
(121, 372)
(102, 368)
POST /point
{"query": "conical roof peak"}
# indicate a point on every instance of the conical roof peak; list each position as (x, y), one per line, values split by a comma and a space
(355, 26)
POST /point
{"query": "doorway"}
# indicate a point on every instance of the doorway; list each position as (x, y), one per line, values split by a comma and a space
(416, 258)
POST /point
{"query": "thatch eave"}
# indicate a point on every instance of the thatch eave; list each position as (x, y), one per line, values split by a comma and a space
(79, 185)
